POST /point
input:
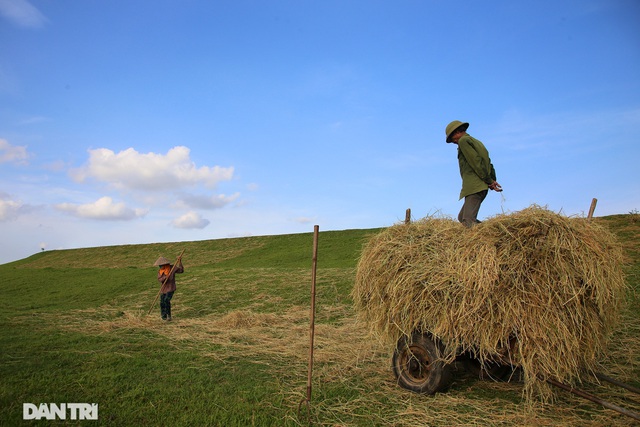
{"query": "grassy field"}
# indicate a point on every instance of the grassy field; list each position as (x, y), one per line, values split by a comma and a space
(75, 329)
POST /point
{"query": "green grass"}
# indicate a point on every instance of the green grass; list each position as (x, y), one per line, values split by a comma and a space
(75, 329)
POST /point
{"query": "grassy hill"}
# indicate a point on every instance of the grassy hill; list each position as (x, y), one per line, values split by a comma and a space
(76, 329)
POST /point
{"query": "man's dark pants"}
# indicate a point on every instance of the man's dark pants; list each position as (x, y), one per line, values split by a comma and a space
(165, 305)
(469, 213)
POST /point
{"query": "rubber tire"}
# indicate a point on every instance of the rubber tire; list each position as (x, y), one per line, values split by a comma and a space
(417, 364)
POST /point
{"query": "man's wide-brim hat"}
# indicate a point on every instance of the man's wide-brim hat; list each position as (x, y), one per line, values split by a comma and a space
(454, 126)
(161, 261)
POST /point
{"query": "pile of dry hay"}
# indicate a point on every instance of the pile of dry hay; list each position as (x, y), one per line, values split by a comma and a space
(552, 285)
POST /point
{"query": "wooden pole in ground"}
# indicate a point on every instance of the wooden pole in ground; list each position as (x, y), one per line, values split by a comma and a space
(407, 216)
(314, 260)
(592, 208)
(165, 281)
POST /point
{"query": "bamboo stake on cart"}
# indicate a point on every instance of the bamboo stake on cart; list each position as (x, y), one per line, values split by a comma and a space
(592, 208)
(407, 216)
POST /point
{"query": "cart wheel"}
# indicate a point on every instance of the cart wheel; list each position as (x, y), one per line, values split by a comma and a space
(417, 364)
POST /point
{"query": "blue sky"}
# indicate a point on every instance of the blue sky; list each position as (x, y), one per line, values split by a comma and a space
(125, 122)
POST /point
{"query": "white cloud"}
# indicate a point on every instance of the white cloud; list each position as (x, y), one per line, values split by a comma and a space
(33, 120)
(9, 208)
(304, 219)
(102, 209)
(12, 153)
(519, 131)
(190, 220)
(207, 202)
(22, 13)
(129, 169)
(55, 166)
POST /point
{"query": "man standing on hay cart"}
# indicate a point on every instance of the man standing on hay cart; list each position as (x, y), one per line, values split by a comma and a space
(476, 170)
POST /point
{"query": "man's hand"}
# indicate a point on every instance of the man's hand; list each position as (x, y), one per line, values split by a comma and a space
(495, 186)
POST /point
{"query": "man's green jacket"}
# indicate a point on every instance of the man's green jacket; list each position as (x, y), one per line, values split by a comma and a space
(476, 169)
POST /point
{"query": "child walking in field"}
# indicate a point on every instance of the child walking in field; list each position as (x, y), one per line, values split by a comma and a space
(168, 280)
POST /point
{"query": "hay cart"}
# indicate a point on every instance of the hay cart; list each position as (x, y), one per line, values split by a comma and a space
(561, 276)
(418, 365)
